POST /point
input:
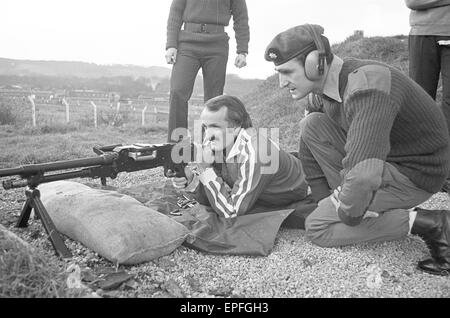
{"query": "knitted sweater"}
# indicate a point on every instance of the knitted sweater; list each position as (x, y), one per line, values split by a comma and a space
(386, 117)
(209, 12)
(429, 17)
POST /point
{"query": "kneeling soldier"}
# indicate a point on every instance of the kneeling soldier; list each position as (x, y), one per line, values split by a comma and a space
(379, 148)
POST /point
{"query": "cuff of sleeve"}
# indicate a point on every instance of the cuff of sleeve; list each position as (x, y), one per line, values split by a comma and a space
(193, 185)
(207, 176)
(171, 43)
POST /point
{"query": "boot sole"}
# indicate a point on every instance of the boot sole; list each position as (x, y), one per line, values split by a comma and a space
(441, 273)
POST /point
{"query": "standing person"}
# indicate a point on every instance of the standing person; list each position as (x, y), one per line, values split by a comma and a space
(380, 148)
(429, 50)
(196, 38)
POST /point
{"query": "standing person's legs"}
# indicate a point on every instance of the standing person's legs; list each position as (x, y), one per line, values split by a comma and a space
(424, 62)
(427, 60)
(214, 72)
(323, 139)
(182, 82)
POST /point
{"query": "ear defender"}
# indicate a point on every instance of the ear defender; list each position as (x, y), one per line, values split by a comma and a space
(315, 60)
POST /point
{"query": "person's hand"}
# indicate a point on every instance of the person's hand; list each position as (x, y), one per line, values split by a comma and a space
(335, 199)
(241, 60)
(208, 154)
(171, 55)
(207, 158)
(183, 182)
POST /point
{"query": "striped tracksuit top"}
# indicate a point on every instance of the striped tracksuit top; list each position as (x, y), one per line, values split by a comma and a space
(255, 171)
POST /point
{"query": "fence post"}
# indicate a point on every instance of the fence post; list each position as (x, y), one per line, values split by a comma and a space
(33, 109)
(67, 110)
(118, 109)
(143, 115)
(116, 117)
(95, 113)
(155, 118)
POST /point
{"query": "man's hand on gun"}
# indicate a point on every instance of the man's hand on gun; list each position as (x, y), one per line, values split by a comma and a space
(198, 168)
(182, 182)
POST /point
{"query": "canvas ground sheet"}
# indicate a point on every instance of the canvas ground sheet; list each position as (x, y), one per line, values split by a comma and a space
(251, 234)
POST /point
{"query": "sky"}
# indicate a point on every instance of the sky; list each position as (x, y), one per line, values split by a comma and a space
(134, 31)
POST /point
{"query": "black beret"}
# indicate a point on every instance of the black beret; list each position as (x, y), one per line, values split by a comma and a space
(291, 43)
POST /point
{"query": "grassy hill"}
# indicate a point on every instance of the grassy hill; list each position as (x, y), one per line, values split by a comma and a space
(127, 80)
(271, 106)
(77, 69)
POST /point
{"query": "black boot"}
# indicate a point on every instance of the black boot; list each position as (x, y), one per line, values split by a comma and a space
(433, 226)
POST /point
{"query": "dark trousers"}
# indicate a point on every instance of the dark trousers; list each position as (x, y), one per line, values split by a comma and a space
(184, 72)
(428, 59)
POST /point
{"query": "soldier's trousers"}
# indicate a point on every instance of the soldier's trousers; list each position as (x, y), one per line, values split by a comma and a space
(326, 141)
(427, 61)
(213, 63)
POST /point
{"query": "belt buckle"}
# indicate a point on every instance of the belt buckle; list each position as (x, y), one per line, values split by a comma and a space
(203, 28)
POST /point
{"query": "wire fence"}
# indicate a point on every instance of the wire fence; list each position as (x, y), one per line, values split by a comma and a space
(85, 112)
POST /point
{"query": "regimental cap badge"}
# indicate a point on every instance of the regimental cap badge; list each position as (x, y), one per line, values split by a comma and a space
(273, 55)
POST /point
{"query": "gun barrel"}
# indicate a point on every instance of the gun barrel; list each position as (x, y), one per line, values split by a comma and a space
(11, 184)
(105, 159)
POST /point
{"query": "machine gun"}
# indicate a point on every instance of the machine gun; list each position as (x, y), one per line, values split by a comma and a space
(111, 160)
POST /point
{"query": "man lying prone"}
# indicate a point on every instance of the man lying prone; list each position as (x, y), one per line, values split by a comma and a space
(240, 166)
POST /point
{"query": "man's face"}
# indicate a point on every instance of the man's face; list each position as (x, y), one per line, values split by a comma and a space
(218, 129)
(292, 76)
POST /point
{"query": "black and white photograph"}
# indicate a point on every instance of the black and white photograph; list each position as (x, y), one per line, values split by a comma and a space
(216, 156)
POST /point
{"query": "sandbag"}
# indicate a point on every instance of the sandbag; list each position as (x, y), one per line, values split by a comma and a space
(115, 225)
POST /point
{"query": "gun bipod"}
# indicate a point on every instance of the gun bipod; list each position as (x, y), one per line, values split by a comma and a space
(34, 202)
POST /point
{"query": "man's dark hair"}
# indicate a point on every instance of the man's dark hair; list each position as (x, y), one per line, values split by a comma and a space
(329, 55)
(236, 112)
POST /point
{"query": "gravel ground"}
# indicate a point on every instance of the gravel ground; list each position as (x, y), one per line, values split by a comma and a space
(295, 267)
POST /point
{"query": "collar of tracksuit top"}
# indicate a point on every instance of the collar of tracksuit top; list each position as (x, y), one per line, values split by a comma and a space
(243, 137)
